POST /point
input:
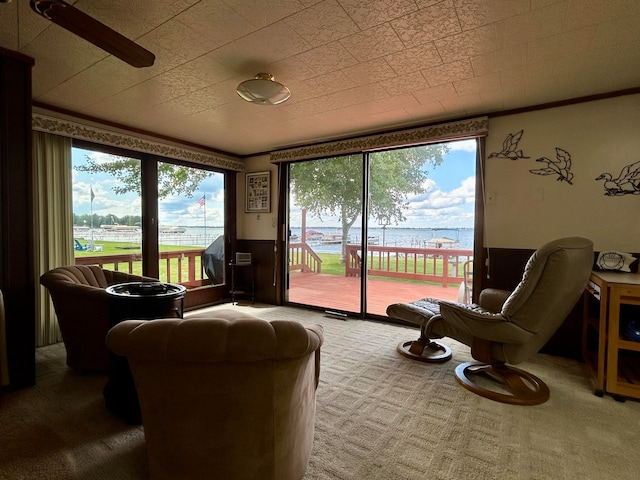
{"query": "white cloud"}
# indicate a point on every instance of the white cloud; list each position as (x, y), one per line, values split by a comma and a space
(439, 208)
(463, 145)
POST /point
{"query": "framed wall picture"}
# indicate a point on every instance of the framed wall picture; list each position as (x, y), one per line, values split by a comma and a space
(258, 192)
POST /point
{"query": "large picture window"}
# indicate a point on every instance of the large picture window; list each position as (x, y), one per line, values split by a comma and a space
(371, 229)
(110, 204)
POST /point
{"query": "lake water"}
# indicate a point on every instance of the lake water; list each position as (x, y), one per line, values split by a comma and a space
(396, 237)
(391, 237)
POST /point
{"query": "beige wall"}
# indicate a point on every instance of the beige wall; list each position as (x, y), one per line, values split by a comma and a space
(527, 209)
(253, 226)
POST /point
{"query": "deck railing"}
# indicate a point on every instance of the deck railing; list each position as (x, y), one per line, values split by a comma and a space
(179, 266)
(303, 258)
(438, 265)
(441, 265)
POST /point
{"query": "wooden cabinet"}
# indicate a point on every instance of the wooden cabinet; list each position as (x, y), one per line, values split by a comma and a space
(594, 330)
(623, 356)
(610, 299)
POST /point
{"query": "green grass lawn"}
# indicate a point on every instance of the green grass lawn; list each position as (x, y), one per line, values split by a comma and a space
(134, 248)
(331, 263)
(123, 248)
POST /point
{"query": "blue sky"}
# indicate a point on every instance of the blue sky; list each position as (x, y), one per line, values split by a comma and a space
(448, 200)
(174, 210)
(449, 196)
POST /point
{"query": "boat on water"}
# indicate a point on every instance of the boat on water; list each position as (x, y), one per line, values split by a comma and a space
(314, 235)
(333, 238)
(168, 229)
(442, 242)
(120, 228)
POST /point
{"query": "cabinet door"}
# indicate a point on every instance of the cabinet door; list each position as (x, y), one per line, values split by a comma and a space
(623, 359)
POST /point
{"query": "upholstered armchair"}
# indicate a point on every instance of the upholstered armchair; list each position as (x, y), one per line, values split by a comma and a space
(227, 395)
(504, 327)
(82, 307)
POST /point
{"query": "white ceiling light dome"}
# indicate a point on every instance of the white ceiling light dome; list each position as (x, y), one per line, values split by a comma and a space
(263, 90)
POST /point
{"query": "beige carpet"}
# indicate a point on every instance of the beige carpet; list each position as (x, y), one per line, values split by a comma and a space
(380, 416)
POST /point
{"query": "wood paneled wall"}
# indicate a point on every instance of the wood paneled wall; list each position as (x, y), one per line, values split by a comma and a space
(16, 217)
(263, 254)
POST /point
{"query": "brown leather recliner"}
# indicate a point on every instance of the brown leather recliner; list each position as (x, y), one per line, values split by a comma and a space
(83, 310)
(504, 327)
(225, 396)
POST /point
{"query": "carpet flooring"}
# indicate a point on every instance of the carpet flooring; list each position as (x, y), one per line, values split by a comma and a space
(379, 416)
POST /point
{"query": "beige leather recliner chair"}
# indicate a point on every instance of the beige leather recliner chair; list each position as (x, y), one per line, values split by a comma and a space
(82, 306)
(505, 327)
(227, 396)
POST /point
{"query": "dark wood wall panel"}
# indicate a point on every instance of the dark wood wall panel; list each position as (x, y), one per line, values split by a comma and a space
(16, 217)
(263, 254)
(505, 271)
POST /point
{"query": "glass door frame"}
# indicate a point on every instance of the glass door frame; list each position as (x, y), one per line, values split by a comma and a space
(480, 253)
(201, 296)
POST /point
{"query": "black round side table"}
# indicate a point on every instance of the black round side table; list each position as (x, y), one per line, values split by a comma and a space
(143, 301)
(146, 300)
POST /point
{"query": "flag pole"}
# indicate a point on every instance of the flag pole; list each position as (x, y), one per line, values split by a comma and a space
(91, 217)
(204, 197)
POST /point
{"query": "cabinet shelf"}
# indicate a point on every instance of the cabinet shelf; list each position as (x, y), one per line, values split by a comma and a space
(628, 345)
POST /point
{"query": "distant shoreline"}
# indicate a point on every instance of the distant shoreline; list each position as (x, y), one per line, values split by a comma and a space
(204, 236)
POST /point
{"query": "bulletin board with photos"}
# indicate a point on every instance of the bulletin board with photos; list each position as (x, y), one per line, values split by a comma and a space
(258, 192)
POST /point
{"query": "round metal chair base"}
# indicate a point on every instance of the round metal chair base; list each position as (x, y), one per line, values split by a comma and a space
(524, 388)
(430, 352)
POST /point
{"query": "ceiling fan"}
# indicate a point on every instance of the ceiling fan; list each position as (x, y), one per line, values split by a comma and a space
(78, 22)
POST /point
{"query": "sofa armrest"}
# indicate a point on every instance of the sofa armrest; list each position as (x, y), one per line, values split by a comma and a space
(123, 277)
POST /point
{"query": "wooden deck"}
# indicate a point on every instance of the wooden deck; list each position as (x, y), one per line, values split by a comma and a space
(337, 292)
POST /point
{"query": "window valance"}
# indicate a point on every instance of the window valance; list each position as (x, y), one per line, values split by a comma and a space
(475, 127)
(68, 128)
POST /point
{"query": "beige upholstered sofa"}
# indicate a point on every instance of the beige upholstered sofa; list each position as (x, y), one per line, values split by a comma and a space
(227, 396)
(83, 310)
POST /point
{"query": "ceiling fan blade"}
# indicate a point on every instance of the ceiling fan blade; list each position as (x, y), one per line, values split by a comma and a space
(78, 22)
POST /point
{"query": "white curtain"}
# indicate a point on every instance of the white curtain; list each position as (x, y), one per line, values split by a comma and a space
(54, 222)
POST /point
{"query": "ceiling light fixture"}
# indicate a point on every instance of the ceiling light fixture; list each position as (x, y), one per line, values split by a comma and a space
(263, 90)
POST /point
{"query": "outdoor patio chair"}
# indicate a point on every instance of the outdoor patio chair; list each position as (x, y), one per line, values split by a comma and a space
(79, 247)
(504, 327)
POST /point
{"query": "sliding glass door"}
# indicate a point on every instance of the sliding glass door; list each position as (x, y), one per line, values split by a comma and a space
(416, 239)
(107, 208)
(190, 219)
(325, 211)
(116, 201)
(421, 224)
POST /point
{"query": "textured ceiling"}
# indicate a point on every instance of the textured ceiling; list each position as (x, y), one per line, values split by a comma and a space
(353, 66)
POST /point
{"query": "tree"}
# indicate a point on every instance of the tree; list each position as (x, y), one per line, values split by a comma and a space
(333, 186)
(172, 179)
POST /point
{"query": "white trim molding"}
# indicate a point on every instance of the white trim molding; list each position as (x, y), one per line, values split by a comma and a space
(474, 127)
(73, 129)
